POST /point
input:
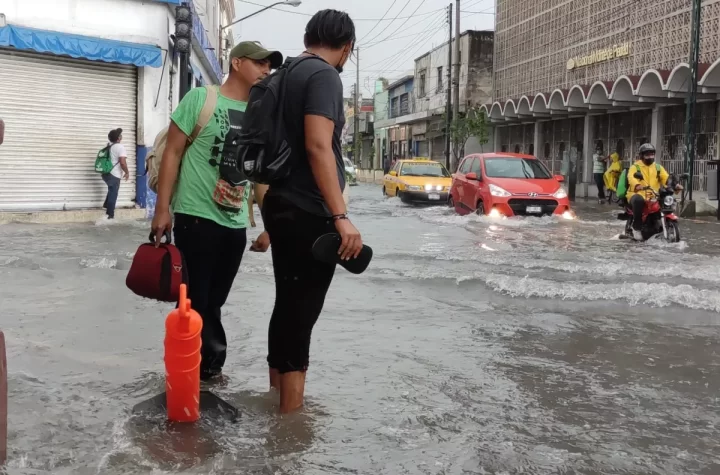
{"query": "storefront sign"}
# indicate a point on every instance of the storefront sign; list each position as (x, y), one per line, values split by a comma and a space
(599, 56)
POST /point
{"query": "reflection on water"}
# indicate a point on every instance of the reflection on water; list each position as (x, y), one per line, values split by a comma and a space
(471, 345)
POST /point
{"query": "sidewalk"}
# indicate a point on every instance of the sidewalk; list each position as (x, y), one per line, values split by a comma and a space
(703, 205)
(73, 216)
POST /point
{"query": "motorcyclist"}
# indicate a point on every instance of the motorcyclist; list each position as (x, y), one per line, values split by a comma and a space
(654, 176)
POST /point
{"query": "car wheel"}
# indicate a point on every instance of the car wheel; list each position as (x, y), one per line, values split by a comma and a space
(451, 202)
(480, 210)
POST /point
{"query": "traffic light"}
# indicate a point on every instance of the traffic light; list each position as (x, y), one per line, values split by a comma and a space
(183, 29)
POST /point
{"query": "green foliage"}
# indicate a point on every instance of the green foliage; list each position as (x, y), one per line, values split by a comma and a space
(472, 123)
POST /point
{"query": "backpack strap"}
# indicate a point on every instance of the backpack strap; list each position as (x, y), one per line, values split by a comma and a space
(208, 109)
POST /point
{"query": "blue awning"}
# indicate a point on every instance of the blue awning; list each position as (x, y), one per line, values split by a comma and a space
(76, 46)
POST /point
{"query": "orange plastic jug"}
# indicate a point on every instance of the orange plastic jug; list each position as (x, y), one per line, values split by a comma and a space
(183, 342)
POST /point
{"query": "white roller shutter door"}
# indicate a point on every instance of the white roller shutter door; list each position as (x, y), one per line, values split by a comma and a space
(57, 113)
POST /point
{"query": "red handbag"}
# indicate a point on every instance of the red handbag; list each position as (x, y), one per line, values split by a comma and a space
(157, 272)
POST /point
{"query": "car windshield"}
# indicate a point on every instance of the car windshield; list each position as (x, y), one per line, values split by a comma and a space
(424, 169)
(515, 168)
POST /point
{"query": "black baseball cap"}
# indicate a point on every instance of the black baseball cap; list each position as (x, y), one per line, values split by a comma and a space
(115, 135)
(253, 50)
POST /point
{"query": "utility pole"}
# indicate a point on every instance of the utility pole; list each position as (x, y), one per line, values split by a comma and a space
(690, 122)
(448, 106)
(356, 140)
(456, 76)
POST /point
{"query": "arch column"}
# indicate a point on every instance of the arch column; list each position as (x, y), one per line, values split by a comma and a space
(658, 115)
(538, 138)
(588, 151)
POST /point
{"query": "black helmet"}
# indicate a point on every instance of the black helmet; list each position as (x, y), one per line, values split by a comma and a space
(646, 148)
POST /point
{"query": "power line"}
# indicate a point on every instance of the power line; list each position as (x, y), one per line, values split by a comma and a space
(379, 21)
(353, 19)
(403, 23)
(393, 37)
(421, 33)
(388, 25)
(422, 42)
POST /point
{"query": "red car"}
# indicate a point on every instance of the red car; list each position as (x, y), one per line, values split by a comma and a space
(507, 184)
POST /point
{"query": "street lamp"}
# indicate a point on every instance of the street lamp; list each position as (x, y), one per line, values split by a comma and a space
(290, 3)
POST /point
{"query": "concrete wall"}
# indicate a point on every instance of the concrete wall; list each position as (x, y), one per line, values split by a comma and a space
(475, 73)
(370, 176)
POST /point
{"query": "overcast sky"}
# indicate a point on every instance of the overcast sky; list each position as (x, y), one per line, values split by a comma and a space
(388, 48)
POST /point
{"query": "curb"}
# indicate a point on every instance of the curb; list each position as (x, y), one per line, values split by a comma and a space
(74, 216)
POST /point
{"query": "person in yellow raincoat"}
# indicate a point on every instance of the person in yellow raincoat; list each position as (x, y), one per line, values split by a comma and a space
(610, 177)
(653, 175)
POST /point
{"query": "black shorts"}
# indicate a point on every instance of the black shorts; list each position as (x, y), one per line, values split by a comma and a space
(301, 282)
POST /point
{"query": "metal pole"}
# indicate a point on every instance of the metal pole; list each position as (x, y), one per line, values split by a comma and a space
(448, 106)
(184, 74)
(690, 122)
(456, 77)
(357, 107)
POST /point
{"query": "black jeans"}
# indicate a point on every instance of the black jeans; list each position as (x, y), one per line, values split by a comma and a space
(301, 282)
(212, 254)
(113, 184)
(600, 185)
(637, 203)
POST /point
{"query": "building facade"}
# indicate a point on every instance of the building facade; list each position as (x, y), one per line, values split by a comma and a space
(72, 70)
(381, 108)
(416, 109)
(574, 76)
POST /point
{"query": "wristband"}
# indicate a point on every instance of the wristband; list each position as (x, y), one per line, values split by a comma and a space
(338, 217)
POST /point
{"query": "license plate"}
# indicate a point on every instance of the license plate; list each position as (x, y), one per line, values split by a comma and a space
(534, 209)
(433, 196)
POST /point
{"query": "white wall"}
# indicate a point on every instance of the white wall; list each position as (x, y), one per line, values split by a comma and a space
(123, 20)
(132, 21)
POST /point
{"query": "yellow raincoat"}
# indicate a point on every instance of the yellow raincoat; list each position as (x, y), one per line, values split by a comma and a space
(613, 172)
(651, 178)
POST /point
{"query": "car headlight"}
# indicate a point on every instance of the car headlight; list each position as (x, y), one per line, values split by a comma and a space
(560, 193)
(669, 201)
(414, 188)
(499, 192)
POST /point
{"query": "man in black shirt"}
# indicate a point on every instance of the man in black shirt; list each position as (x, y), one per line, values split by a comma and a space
(310, 203)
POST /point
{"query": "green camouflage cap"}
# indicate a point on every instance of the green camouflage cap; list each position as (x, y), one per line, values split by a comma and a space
(253, 50)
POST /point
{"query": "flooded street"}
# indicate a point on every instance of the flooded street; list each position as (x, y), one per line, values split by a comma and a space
(470, 346)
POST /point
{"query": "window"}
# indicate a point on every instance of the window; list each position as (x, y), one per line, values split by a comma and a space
(465, 167)
(422, 84)
(431, 169)
(394, 107)
(405, 104)
(475, 167)
(440, 79)
(506, 167)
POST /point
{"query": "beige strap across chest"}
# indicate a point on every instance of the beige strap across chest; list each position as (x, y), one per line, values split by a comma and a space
(206, 113)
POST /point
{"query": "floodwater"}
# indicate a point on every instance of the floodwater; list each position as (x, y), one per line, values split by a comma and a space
(470, 346)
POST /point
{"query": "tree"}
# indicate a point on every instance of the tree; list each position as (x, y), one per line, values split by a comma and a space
(472, 123)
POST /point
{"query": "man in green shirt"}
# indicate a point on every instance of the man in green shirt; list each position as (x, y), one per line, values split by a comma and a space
(210, 203)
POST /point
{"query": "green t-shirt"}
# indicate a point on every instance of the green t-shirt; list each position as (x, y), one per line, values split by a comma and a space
(210, 185)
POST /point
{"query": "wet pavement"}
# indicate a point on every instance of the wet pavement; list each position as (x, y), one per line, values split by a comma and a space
(470, 346)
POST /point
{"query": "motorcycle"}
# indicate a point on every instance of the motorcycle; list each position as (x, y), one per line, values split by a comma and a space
(658, 215)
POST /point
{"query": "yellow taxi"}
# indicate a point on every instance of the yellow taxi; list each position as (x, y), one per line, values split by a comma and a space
(418, 180)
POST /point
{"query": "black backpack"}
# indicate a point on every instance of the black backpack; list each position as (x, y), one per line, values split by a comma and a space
(263, 150)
